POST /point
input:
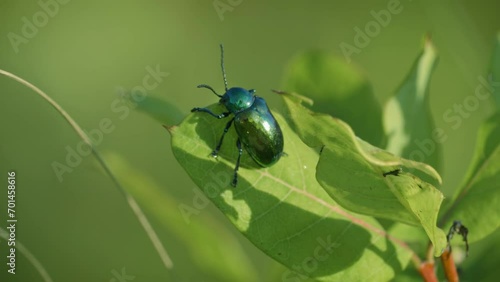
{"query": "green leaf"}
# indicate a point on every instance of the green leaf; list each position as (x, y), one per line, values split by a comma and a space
(159, 204)
(352, 172)
(283, 210)
(339, 89)
(408, 122)
(162, 111)
(477, 203)
(495, 71)
(482, 262)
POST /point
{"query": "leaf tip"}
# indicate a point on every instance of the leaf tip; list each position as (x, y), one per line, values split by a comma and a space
(428, 38)
(169, 128)
(428, 44)
(297, 97)
(279, 92)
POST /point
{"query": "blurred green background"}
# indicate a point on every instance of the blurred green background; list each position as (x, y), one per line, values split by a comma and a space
(81, 229)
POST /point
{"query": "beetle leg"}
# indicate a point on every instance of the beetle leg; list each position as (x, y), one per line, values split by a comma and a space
(216, 151)
(240, 152)
(205, 110)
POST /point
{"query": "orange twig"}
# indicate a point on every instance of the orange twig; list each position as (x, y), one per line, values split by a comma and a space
(450, 270)
(427, 272)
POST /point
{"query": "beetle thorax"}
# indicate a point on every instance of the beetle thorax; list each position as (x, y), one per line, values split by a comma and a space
(237, 99)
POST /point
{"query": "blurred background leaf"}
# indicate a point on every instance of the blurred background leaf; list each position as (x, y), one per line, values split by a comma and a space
(477, 202)
(339, 89)
(408, 121)
(495, 71)
(162, 111)
(484, 257)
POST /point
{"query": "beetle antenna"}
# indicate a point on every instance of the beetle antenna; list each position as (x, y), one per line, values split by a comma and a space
(222, 65)
(209, 87)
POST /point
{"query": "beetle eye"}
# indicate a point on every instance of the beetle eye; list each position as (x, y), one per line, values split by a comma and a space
(251, 91)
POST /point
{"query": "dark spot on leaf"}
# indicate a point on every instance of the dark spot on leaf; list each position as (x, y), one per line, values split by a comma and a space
(321, 150)
(392, 172)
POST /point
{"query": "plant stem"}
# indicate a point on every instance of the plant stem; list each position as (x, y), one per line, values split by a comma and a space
(31, 258)
(167, 261)
(450, 270)
(427, 272)
(429, 256)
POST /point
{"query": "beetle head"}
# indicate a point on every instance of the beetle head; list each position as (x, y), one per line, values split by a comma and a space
(237, 99)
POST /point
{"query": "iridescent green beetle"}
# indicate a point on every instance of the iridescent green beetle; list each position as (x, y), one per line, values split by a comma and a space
(257, 129)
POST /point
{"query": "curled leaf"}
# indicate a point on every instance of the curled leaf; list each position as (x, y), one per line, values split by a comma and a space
(408, 121)
(354, 174)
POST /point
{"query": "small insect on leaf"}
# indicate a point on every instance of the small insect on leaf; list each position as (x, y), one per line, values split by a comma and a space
(458, 228)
